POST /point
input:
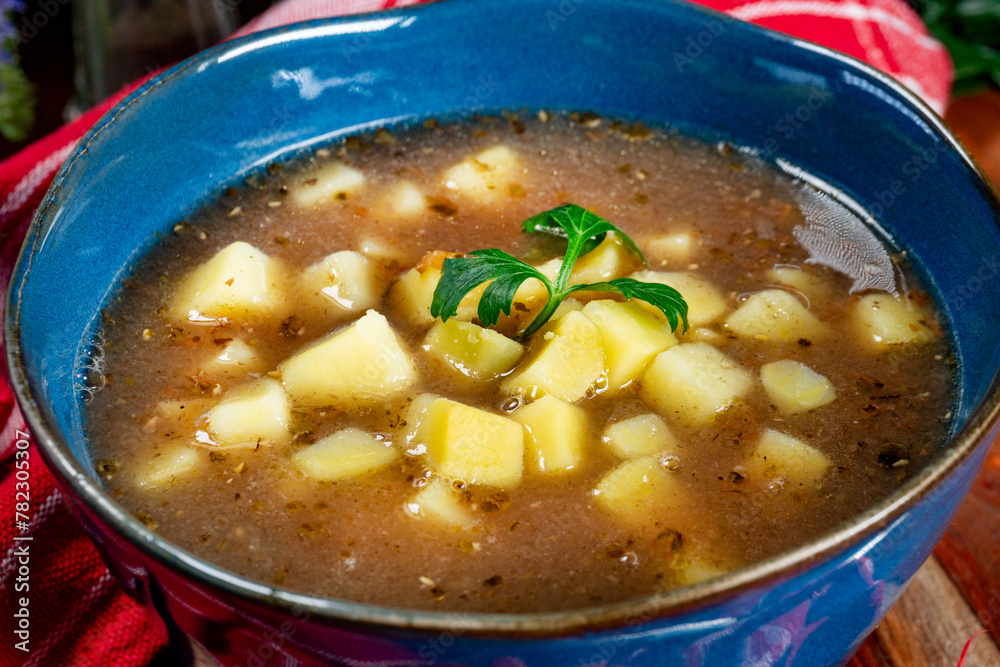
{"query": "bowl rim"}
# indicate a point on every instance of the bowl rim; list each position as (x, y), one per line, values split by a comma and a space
(619, 615)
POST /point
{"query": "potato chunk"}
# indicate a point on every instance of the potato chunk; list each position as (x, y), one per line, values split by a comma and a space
(168, 464)
(693, 382)
(472, 445)
(691, 569)
(347, 453)
(704, 335)
(631, 337)
(252, 414)
(705, 303)
(235, 359)
(471, 350)
(882, 320)
(676, 247)
(335, 180)
(775, 315)
(486, 176)
(639, 490)
(403, 201)
(344, 282)
(609, 260)
(566, 306)
(413, 292)
(556, 433)
(782, 457)
(239, 282)
(797, 278)
(416, 417)
(794, 387)
(361, 364)
(439, 501)
(566, 364)
(642, 435)
(382, 251)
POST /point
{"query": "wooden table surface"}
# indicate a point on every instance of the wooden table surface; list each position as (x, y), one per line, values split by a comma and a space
(956, 594)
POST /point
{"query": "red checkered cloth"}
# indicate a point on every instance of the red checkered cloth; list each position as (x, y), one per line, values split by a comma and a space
(77, 615)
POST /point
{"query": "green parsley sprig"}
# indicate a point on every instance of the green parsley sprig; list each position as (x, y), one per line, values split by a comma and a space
(583, 232)
(970, 30)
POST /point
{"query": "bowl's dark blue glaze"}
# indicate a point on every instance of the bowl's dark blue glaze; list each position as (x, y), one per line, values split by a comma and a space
(190, 132)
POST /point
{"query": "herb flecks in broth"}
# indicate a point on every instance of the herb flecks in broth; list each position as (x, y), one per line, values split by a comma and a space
(584, 231)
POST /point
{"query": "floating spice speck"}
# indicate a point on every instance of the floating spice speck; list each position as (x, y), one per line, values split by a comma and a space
(106, 468)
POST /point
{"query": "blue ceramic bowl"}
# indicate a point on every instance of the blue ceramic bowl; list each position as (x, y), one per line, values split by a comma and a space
(181, 139)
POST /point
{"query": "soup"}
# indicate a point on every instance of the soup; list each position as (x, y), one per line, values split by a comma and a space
(270, 390)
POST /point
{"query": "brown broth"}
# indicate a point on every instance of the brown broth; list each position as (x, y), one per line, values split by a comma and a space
(542, 545)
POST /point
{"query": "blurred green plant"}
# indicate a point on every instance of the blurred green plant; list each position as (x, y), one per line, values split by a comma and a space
(17, 103)
(970, 30)
(17, 98)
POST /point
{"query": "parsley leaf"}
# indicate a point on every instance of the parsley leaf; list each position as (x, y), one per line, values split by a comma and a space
(461, 275)
(17, 103)
(666, 298)
(576, 224)
(505, 273)
(970, 30)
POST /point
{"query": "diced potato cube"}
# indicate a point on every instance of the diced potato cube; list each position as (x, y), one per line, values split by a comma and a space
(471, 350)
(566, 306)
(566, 364)
(472, 445)
(532, 295)
(347, 453)
(556, 432)
(335, 180)
(631, 337)
(361, 364)
(379, 250)
(703, 335)
(412, 424)
(404, 201)
(779, 456)
(693, 382)
(794, 387)
(799, 279)
(550, 269)
(413, 292)
(236, 358)
(642, 435)
(676, 247)
(485, 176)
(239, 282)
(252, 414)
(705, 303)
(609, 260)
(639, 490)
(775, 315)
(691, 569)
(882, 320)
(169, 464)
(440, 502)
(344, 282)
